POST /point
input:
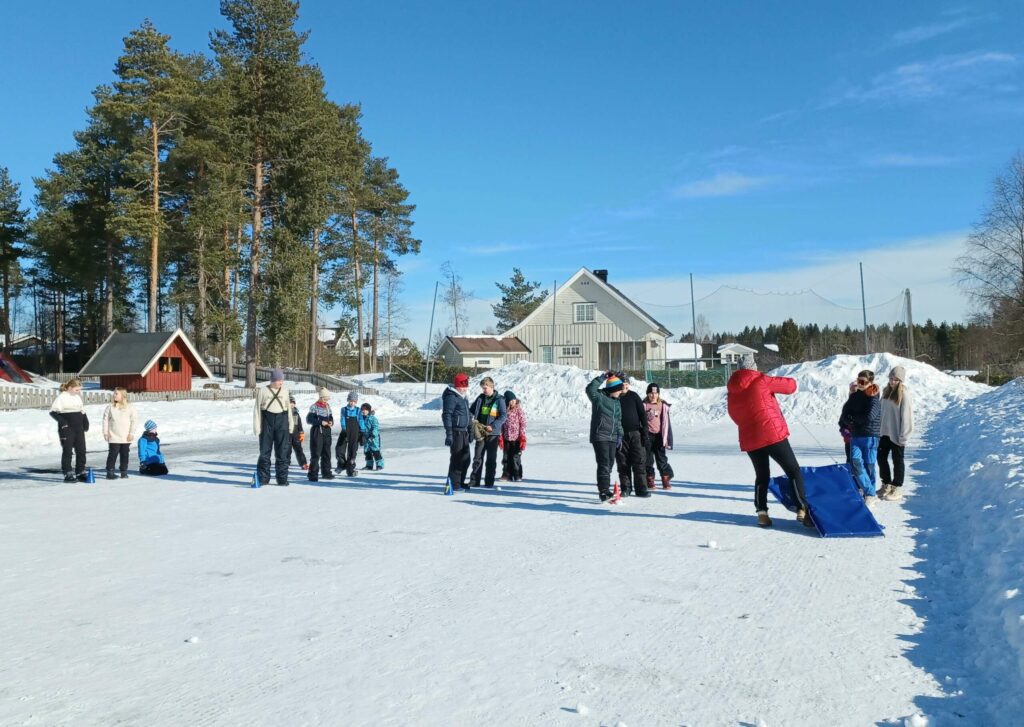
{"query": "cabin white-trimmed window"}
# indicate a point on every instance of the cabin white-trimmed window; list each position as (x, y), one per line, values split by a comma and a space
(572, 351)
(583, 312)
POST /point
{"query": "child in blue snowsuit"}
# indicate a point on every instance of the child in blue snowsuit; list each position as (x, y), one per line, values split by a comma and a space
(151, 459)
(371, 439)
(353, 427)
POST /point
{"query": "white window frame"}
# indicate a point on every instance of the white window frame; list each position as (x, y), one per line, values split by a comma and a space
(578, 307)
(572, 351)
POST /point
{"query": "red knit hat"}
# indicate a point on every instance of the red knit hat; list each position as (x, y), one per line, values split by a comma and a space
(461, 381)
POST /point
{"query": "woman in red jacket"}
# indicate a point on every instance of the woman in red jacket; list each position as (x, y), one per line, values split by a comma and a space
(764, 434)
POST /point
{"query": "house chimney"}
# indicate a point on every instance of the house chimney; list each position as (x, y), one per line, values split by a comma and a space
(603, 274)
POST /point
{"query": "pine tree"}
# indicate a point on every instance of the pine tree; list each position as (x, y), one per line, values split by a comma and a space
(791, 345)
(13, 221)
(518, 300)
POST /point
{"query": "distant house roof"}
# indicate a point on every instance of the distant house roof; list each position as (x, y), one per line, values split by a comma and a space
(735, 348)
(125, 354)
(772, 347)
(615, 292)
(676, 351)
(488, 344)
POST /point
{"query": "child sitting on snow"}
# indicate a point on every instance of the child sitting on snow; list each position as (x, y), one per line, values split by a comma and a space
(371, 439)
(151, 459)
(513, 439)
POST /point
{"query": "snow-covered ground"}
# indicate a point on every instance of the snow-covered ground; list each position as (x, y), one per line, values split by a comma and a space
(194, 599)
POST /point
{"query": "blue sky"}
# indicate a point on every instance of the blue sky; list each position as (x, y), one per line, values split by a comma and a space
(765, 145)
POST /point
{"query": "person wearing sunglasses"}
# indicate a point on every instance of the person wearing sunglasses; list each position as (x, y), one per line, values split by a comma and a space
(862, 415)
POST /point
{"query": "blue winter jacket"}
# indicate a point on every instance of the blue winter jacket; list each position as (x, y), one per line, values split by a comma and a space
(454, 411)
(149, 450)
(496, 419)
(371, 435)
(862, 413)
(353, 412)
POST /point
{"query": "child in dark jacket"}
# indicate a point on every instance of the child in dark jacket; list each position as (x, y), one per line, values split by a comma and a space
(371, 439)
(862, 415)
(320, 420)
(605, 427)
(351, 435)
(151, 459)
(298, 436)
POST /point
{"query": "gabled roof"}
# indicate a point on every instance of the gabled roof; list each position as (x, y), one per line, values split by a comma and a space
(612, 290)
(130, 354)
(736, 348)
(487, 344)
(676, 350)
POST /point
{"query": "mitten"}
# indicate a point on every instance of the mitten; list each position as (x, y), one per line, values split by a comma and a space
(302, 436)
(522, 443)
(448, 440)
(85, 422)
(501, 442)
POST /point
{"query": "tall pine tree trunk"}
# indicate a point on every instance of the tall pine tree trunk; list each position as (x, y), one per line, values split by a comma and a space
(201, 303)
(359, 294)
(154, 245)
(376, 296)
(108, 302)
(254, 278)
(7, 303)
(314, 303)
(228, 336)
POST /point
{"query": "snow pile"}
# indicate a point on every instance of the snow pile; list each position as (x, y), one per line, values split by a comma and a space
(549, 391)
(970, 506)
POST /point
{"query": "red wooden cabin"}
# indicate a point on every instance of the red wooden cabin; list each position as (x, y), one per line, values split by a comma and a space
(147, 362)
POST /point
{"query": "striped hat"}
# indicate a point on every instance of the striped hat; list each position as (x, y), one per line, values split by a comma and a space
(150, 425)
(612, 383)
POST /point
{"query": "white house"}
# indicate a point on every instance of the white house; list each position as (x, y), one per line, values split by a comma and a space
(684, 355)
(590, 324)
(485, 352)
(732, 353)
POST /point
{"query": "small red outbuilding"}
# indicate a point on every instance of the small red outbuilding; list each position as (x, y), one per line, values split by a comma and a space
(147, 362)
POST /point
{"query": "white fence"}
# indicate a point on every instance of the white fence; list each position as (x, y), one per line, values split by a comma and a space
(18, 397)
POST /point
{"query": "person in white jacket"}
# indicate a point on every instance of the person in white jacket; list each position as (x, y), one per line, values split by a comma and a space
(896, 428)
(273, 422)
(120, 422)
(68, 411)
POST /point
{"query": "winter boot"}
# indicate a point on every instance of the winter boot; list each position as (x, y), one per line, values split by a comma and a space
(380, 464)
(895, 494)
(763, 520)
(870, 500)
(666, 482)
(306, 467)
(111, 475)
(605, 495)
(81, 476)
(70, 477)
(650, 482)
(124, 474)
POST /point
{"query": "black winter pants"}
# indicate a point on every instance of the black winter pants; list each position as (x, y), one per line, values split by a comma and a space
(657, 455)
(347, 448)
(114, 451)
(604, 453)
(458, 461)
(631, 459)
(300, 456)
(886, 447)
(72, 439)
(486, 449)
(319, 453)
(783, 455)
(274, 439)
(512, 461)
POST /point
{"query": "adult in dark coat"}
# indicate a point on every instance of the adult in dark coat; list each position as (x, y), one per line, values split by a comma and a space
(764, 434)
(605, 427)
(456, 420)
(488, 412)
(631, 455)
(862, 416)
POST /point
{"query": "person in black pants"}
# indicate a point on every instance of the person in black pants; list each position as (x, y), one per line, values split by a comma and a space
(273, 424)
(488, 412)
(298, 436)
(320, 420)
(456, 420)
(605, 428)
(72, 424)
(631, 456)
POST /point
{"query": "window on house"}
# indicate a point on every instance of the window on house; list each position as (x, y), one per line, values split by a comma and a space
(483, 362)
(169, 364)
(583, 312)
(547, 354)
(572, 351)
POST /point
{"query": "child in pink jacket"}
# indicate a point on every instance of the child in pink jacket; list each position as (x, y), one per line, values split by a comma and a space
(513, 439)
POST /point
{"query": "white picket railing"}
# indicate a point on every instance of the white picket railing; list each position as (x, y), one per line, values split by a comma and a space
(26, 397)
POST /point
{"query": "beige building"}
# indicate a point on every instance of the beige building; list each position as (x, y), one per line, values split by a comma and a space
(482, 352)
(590, 324)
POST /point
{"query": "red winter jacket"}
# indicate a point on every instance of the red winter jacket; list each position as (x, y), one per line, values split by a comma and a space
(753, 407)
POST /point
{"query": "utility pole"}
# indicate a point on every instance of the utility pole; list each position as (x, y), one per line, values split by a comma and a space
(430, 335)
(693, 315)
(910, 326)
(554, 301)
(864, 309)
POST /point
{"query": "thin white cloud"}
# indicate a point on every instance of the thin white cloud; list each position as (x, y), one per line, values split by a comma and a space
(910, 160)
(921, 33)
(944, 76)
(500, 248)
(723, 184)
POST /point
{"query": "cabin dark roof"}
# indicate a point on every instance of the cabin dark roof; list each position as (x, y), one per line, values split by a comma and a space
(488, 344)
(135, 353)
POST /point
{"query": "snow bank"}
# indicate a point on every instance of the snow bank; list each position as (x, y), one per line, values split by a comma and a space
(549, 391)
(970, 506)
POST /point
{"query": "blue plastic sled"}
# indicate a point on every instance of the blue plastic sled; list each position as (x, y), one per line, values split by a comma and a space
(837, 508)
